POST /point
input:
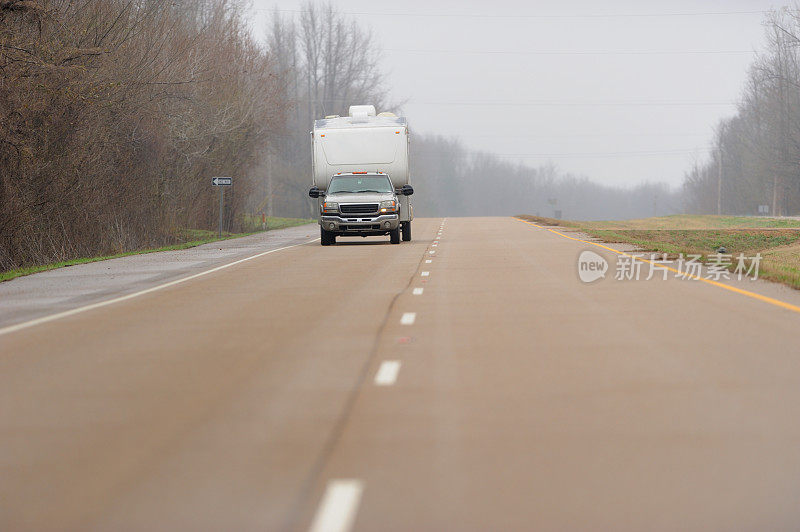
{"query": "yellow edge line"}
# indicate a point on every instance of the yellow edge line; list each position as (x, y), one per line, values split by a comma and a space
(765, 299)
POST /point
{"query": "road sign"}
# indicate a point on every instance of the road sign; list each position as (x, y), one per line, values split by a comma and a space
(221, 182)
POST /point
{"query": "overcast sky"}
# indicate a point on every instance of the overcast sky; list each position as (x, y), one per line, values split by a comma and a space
(620, 91)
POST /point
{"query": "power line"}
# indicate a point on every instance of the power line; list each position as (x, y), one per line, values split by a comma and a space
(528, 16)
(555, 103)
(545, 137)
(585, 135)
(592, 155)
(576, 103)
(573, 52)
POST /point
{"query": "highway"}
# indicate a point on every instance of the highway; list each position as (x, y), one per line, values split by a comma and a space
(467, 380)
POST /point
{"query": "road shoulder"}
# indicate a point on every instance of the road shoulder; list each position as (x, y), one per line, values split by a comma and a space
(41, 294)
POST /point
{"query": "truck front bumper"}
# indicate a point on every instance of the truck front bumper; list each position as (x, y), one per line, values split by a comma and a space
(360, 225)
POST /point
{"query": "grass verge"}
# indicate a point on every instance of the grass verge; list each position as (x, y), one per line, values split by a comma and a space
(776, 239)
(189, 238)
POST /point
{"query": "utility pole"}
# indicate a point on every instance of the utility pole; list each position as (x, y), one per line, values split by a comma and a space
(720, 135)
(719, 180)
(777, 180)
(270, 165)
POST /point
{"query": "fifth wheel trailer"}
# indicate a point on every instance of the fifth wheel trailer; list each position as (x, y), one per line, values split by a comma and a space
(361, 175)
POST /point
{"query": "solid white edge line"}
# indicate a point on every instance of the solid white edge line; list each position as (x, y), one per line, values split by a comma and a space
(417, 291)
(337, 511)
(387, 373)
(99, 304)
(408, 318)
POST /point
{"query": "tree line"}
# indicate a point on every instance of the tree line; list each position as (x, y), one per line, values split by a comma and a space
(756, 153)
(461, 182)
(115, 114)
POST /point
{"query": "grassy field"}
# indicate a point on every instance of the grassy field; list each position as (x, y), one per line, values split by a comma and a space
(778, 240)
(188, 238)
(688, 221)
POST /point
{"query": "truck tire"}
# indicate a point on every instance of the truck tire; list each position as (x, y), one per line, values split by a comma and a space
(394, 236)
(326, 237)
(406, 230)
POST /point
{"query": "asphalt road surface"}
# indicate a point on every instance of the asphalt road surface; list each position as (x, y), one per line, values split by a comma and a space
(467, 380)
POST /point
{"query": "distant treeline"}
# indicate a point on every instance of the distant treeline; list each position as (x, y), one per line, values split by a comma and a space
(454, 181)
(759, 148)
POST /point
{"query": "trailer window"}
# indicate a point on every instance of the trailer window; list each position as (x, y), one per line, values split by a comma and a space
(360, 183)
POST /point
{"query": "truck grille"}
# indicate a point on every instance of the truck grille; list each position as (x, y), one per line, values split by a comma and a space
(359, 208)
(365, 227)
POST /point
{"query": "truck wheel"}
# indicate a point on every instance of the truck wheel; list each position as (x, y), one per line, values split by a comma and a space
(406, 229)
(394, 236)
(326, 237)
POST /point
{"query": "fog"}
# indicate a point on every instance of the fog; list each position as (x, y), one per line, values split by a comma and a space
(623, 92)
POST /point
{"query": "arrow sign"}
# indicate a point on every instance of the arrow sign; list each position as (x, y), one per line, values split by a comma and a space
(221, 181)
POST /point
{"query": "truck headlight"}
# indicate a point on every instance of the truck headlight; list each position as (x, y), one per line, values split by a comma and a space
(330, 206)
(389, 206)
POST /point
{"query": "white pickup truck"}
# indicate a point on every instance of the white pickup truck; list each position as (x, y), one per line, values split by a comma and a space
(360, 167)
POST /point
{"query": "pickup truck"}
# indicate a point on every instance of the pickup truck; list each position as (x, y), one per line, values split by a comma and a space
(361, 177)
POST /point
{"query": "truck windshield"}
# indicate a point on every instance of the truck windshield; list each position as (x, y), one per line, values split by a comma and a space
(360, 183)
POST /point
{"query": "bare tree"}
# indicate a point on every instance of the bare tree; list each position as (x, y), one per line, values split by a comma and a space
(761, 143)
(327, 63)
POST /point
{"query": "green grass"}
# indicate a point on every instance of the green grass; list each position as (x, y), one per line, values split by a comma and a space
(189, 238)
(252, 223)
(678, 221)
(699, 241)
(778, 240)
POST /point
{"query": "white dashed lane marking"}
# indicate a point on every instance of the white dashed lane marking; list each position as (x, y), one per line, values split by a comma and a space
(337, 511)
(408, 318)
(387, 373)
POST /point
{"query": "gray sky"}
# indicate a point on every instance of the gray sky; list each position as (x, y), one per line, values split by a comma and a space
(515, 78)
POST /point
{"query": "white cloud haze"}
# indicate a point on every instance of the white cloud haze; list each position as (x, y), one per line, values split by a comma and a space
(622, 91)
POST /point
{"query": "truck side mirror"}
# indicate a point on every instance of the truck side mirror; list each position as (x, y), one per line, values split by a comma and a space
(314, 192)
(407, 190)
